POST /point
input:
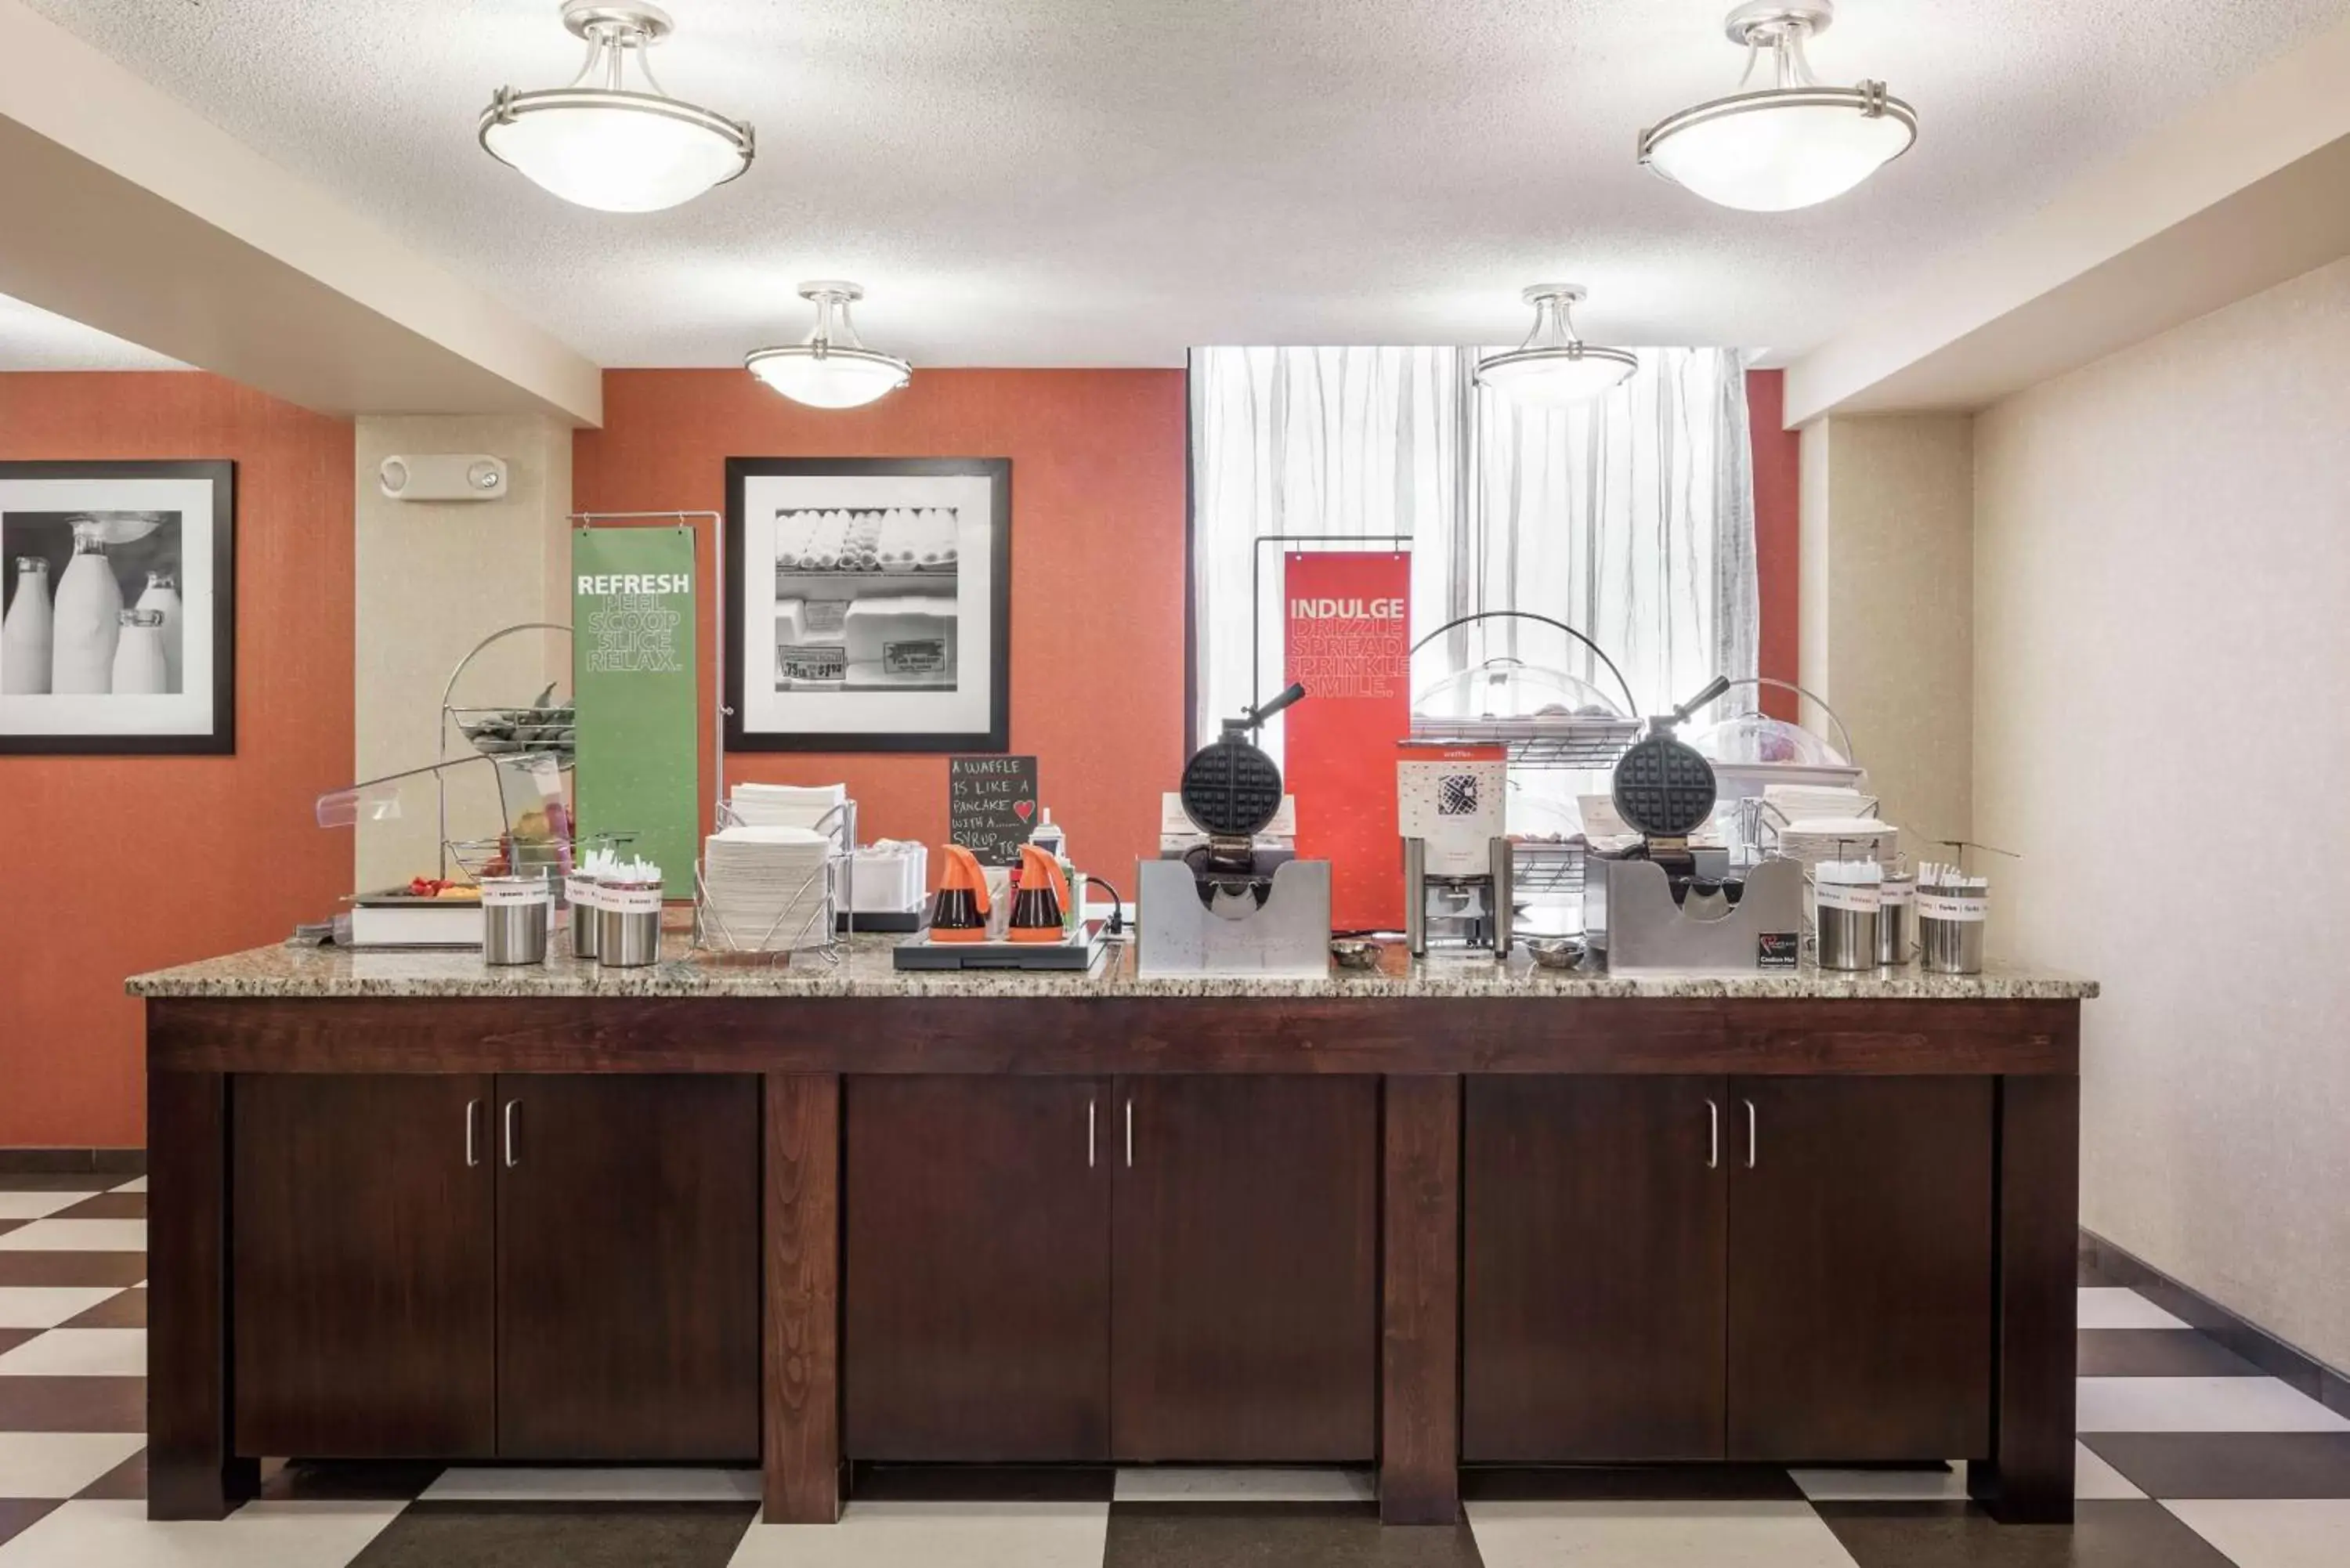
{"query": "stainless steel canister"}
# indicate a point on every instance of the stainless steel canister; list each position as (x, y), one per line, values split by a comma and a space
(1951, 925)
(1896, 912)
(1847, 921)
(628, 924)
(515, 915)
(584, 896)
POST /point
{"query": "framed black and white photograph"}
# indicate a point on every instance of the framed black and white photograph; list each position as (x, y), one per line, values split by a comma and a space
(869, 604)
(118, 617)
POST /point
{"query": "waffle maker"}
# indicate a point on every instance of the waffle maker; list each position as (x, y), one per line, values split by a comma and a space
(1227, 907)
(1664, 790)
(1662, 906)
(1230, 792)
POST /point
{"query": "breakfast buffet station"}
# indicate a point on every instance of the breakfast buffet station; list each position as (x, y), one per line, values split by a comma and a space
(1554, 1081)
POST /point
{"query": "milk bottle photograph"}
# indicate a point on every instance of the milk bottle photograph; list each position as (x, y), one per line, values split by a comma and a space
(25, 631)
(86, 618)
(117, 601)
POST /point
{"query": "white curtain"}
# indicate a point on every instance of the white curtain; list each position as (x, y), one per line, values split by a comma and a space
(1630, 518)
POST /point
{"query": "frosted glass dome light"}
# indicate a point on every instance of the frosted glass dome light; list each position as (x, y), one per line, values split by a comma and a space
(601, 144)
(1791, 145)
(829, 369)
(1552, 366)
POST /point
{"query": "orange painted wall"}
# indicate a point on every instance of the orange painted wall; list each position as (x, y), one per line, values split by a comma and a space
(1778, 535)
(117, 865)
(1097, 570)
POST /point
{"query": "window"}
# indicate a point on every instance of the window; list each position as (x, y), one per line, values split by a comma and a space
(1630, 518)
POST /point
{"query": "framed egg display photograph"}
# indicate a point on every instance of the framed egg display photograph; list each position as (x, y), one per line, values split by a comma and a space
(869, 604)
(117, 623)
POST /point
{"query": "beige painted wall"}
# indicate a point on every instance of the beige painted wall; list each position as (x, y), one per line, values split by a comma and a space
(2162, 580)
(434, 578)
(1888, 607)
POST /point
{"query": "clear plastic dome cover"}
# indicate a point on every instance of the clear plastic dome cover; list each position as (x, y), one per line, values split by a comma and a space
(1542, 819)
(1508, 688)
(1758, 737)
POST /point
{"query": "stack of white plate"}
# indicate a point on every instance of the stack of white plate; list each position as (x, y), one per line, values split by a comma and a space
(1814, 839)
(764, 887)
(783, 806)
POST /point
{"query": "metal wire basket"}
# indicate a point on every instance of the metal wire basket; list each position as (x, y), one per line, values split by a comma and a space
(803, 925)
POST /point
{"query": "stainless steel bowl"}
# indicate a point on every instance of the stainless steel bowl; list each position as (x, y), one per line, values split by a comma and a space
(1555, 953)
(1352, 952)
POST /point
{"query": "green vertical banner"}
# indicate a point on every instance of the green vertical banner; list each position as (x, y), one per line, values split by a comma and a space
(634, 676)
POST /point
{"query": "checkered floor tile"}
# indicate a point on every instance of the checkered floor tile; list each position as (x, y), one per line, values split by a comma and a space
(2190, 1458)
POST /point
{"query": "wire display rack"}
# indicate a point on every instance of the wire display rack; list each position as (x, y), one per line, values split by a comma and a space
(803, 925)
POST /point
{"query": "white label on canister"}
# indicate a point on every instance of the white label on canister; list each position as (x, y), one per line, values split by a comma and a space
(1953, 906)
(630, 900)
(1900, 892)
(497, 894)
(1853, 898)
(582, 892)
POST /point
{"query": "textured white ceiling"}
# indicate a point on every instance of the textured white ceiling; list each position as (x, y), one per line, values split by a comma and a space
(1108, 181)
(32, 338)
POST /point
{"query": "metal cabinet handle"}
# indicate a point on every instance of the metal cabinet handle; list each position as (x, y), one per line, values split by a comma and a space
(1089, 1135)
(1712, 1136)
(1750, 1135)
(472, 1149)
(1129, 1132)
(512, 1106)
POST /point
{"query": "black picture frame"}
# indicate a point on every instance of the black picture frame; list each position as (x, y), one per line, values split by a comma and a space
(220, 739)
(997, 735)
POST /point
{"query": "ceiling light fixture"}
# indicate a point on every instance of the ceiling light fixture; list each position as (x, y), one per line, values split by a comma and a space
(829, 369)
(603, 145)
(1554, 366)
(1787, 146)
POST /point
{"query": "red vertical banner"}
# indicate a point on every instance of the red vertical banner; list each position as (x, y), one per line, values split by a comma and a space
(1349, 619)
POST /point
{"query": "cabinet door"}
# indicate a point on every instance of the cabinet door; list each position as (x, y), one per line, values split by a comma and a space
(627, 1267)
(977, 1324)
(1246, 1247)
(362, 1256)
(1860, 1269)
(1592, 1272)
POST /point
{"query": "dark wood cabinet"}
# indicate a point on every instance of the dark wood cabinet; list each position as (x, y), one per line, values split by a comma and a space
(530, 1267)
(363, 1266)
(1594, 1235)
(627, 1267)
(977, 1319)
(1860, 1257)
(1778, 1269)
(1245, 1279)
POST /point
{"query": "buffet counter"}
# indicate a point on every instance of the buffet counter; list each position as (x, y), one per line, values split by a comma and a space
(1445, 1212)
(862, 968)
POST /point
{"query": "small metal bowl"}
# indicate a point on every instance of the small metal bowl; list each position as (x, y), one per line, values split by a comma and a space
(1555, 953)
(1352, 952)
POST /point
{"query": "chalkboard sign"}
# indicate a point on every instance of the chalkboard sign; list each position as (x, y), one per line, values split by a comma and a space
(992, 805)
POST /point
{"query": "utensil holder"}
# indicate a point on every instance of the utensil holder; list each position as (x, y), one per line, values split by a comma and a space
(586, 921)
(1896, 912)
(515, 915)
(627, 925)
(1846, 917)
(1950, 928)
(1848, 938)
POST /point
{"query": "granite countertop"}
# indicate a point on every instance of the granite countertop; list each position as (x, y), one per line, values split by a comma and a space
(863, 969)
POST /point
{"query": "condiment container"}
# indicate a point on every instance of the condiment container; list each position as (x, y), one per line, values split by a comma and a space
(585, 894)
(1847, 896)
(1897, 913)
(1952, 914)
(515, 915)
(627, 921)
